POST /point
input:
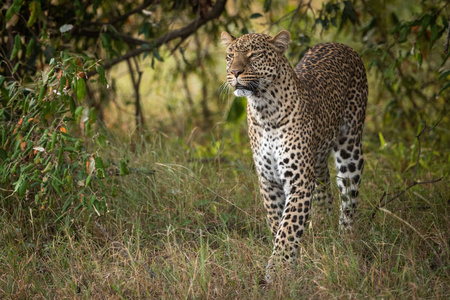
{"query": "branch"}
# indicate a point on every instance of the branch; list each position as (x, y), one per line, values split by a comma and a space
(182, 33)
(95, 33)
(382, 202)
(127, 14)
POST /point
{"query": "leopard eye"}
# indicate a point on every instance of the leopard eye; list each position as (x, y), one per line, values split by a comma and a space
(255, 54)
(230, 55)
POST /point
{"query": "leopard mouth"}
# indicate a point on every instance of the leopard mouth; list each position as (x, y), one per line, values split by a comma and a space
(251, 86)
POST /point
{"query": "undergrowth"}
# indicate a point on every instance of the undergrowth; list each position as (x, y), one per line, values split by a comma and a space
(182, 226)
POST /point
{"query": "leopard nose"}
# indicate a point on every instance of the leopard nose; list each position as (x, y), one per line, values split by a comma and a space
(237, 72)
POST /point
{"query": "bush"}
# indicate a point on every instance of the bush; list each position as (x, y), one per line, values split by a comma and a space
(45, 136)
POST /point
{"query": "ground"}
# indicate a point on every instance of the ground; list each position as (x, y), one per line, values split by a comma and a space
(196, 229)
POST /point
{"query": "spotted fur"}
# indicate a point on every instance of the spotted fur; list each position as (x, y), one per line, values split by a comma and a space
(296, 117)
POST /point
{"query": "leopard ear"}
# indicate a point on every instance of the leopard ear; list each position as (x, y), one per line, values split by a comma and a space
(227, 38)
(281, 40)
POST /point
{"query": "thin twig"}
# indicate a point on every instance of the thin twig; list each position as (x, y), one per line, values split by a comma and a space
(382, 203)
(384, 200)
(296, 12)
(136, 82)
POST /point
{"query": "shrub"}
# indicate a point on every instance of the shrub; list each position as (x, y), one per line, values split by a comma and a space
(46, 135)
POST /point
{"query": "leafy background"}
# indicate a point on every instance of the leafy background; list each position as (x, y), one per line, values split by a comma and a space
(126, 172)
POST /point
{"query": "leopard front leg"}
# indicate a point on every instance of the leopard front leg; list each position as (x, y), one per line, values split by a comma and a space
(298, 183)
(274, 202)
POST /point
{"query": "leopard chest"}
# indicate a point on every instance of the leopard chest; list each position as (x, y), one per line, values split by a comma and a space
(267, 154)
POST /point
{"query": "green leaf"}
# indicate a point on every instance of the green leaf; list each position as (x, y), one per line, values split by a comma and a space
(382, 140)
(102, 140)
(23, 188)
(65, 207)
(106, 42)
(35, 10)
(13, 9)
(267, 5)
(17, 43)
(446, 86)
(30, 46)
(256, 15)
(444, 74)
(16, 66)
(100, 167)
(73, 105)
(434, 33)
(41, 93)
(156, 55)
(78, 113)
(426, 20)
(420, 58)
(81, 89)
(123, 168)
(101, 75)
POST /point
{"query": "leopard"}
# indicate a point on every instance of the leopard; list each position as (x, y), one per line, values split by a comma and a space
(296, 118)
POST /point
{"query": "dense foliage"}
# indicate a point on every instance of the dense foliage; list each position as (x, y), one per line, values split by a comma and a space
(42, 160)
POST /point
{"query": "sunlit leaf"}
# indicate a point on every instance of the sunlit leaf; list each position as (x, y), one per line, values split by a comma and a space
(35, 10)
(382, 140)
(81, 89)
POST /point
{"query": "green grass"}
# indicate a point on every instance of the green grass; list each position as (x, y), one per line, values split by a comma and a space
(196, 230)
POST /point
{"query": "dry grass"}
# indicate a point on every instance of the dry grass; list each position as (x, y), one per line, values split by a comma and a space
(196, 230)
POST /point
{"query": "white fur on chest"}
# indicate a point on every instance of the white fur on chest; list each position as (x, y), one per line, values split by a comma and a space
(268, 155)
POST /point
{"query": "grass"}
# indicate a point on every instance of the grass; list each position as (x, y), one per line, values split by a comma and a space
(196, 230)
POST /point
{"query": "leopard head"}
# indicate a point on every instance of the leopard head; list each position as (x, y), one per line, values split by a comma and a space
(253, 60)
